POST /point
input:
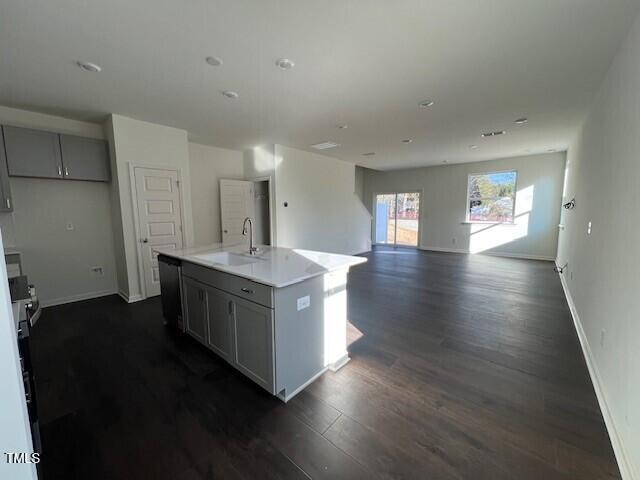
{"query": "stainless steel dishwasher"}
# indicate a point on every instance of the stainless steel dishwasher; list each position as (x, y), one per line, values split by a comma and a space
(171, 292)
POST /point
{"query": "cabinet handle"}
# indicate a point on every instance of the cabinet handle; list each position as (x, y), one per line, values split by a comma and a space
(230, 307)
(246, 290)
(27, 387)
(59, 170)
(66, 171)
(8, 203)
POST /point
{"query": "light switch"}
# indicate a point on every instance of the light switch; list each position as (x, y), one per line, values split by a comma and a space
(304, 302)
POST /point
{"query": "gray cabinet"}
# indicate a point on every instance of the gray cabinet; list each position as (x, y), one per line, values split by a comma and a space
(194, 309)
(6, 205)
(85, 158)
(253, 341)
(32, 153)
(239, 330)
(35, 153)
(219, 309)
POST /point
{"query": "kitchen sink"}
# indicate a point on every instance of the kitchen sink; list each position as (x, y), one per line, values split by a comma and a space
(228, 258)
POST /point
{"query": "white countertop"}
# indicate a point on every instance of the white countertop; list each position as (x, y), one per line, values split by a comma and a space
(274, 266)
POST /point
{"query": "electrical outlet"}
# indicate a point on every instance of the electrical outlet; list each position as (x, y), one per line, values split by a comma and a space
(589, 228)
(69, 226)
(98, 270)
(602, 334)
(454, 240)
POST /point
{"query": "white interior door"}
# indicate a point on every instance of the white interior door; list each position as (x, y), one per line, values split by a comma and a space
(159, 219)
(236, 204)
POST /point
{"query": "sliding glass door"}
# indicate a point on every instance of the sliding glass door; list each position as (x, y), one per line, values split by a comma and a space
(397, 218)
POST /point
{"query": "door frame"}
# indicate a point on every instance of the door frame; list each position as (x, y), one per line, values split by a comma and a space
(136, 217)
(373, 204)
(269, 179)
(271, 205)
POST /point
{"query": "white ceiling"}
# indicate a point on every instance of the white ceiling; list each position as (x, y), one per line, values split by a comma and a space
(365, 63)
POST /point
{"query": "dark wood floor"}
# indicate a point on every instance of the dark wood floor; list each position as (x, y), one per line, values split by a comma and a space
(467, 367)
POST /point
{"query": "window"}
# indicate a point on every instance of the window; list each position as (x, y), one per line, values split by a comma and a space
(491, 197)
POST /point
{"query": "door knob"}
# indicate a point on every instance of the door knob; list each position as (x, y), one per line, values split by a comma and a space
(226, 231)
(145, 240)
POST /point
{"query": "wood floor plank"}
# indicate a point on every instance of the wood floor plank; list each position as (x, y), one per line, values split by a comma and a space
(463, 367)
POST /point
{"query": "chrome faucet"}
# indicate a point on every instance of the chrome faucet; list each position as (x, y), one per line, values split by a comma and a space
(252, 249)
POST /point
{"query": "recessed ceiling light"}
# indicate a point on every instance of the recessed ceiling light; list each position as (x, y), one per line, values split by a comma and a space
(407, 140)
(343, 126)
(230, 94)
(89, 67)
(285, 63)
(325, 145)
(369, 154)
(493, 134)
(214, 61)
(521, 121)
(426, 103)
(473, 147)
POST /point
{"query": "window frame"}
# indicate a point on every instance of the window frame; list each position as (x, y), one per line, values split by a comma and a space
(489, 222)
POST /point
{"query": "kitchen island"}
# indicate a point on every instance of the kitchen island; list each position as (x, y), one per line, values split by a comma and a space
(278, 315)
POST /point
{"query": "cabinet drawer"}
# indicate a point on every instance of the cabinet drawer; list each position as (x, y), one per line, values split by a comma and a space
(252, 291)
(206, 275)
(241, 287)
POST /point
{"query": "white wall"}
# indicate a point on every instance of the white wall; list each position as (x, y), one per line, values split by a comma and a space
(208, 165)
(603, 276)
(142, 143)
(443, 205)
(15, 435)
(52, 123)
(56, 260)
(323, 211)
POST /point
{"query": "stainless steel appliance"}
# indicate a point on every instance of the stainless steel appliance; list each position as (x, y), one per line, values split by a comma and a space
(171, 294)
(26, 311)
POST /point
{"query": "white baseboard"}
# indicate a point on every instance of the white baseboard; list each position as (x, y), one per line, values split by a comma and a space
(624, 465)
(289, 396)
(519, 255)
(493, 254)
(130, 298)
(76, 298)
(440, 249)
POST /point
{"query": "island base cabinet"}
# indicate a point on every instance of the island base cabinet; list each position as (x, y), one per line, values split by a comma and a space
(253, 342)
(195, 309)
(238, 330)
(219, 310)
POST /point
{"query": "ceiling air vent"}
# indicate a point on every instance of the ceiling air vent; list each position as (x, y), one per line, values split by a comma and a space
(325, 145)
(493, 134)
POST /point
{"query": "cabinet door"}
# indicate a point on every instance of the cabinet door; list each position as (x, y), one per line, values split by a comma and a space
(195, 309)
(5, 190)
(85, 158)
(219, 309)
(253, 341)
(32, 153)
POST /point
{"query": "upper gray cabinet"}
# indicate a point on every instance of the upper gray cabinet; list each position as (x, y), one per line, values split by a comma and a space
(32, 153)
(6, 205)
(85, 158)
(35, 153)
